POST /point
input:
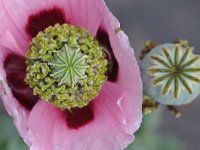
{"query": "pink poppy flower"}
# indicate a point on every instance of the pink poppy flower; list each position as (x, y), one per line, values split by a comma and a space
(110, 120)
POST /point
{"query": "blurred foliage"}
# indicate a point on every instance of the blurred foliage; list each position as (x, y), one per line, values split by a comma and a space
(9, 137)
(147, 138)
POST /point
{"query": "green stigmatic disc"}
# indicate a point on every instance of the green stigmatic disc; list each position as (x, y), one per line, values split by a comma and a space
(65, 66)
(171, 74)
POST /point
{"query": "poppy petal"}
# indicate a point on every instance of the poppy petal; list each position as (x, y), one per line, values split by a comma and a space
(48, 127)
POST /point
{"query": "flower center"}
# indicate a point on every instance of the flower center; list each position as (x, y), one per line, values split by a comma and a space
(177, 67)
(66, 66)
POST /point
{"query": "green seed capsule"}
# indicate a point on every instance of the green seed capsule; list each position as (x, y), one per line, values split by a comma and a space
(171, 74)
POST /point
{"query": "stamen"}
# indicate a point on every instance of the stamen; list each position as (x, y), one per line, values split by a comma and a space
(112, 67)
(62, 61)
(149, 105)
(174, 111)
(148, 46)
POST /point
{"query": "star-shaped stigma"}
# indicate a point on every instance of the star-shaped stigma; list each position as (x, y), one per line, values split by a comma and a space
(69, 66)
(175, 70)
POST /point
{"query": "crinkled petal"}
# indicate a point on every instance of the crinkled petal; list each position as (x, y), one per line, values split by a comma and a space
(7, 40)
(18, 112)
(84, 13)
(88, 14)
(10, 35)
(48, 128)
(124, 116)
(129, 75)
